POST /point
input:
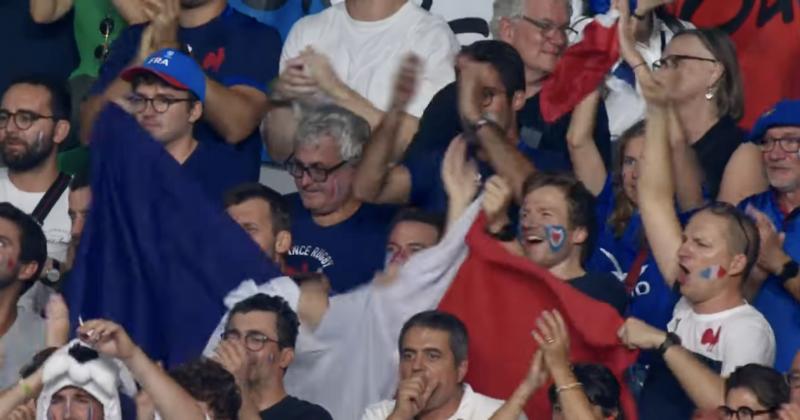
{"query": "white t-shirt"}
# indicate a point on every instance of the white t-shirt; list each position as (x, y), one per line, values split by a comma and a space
(56, 225)
(733, 338)
(366, 55)
(473, 406)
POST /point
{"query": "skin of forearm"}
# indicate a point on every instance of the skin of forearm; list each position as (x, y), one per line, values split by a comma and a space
(48, 11)
(231, 113)
(655, 181)
(704, 387)
(504, 158)
(574, 404)
(374, 167)
(92, 106)
(686, 168)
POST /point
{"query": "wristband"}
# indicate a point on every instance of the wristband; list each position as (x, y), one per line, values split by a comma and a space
(789, 271)
(568, 387)
(506, 234)
(672, 339)
(25, 388)
(640, 17)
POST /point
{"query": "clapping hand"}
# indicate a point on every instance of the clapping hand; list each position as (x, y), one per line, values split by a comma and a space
(459, 175)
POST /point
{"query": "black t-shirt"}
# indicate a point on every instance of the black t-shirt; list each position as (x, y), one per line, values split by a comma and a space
(714, 150)
(441, 122)
(603, 287)
(291, 408)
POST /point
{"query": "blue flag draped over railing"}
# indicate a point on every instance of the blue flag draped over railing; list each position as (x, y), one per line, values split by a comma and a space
(156, 255)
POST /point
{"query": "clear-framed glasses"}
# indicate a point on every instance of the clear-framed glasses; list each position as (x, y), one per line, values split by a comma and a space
(160, 103)
(741, 413)
(316, 172)
(549, 28)
(672, 61)
(793, 378)
(253, 341)
(22, 119)
(787, 144)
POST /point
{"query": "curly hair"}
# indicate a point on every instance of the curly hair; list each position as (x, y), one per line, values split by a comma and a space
(207, 381)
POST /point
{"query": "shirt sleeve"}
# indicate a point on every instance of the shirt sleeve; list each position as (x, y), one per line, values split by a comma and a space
(424, 171)
(294, 42)
(121, 53)
(437, 49)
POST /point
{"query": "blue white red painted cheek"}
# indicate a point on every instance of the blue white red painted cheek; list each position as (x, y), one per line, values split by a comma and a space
(713, 272)
(556, 236)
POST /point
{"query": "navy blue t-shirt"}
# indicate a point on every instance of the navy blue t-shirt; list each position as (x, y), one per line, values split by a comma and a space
(773, 301)
(218, 168)
(441, 122)
(349, 253)
(232, 48)
(281, 15)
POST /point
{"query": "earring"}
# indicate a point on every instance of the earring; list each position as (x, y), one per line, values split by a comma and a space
(709, 93)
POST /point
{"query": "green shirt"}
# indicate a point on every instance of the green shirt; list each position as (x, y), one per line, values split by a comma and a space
(88, 15)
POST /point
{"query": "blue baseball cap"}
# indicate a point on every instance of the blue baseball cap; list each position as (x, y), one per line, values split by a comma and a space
(784, 113)
(175, 68)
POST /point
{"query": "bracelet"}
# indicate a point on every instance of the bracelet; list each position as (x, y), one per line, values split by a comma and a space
(568, 387)
(640, 17)
(26, 389)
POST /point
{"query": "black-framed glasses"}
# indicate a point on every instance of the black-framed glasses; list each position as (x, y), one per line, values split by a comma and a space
(787, 144)
(22, 119)
(672, 61)
(106, 29)
(316, 172)
(793, 378)
(160, 103)
(253, 341)
(549, 28)
(741, 413)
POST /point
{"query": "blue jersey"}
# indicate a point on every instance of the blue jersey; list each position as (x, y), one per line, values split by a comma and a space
(349, 253)
(773, 301)
(233, 49)
(281, 15)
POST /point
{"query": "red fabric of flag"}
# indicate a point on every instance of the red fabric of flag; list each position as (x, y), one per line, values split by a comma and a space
(499, 296)
(580, 70)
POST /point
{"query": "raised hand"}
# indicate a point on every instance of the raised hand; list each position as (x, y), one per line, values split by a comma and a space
(496, 201)
(771, 256)
(553, 337)
(412, 397)
(232, 356)
(163, 16)
(318, 68)
(107, 338)
(295, 82)
(406, 82)
(57, 321)
(459, 175)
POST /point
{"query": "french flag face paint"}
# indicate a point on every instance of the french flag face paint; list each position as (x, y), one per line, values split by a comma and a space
(556, 237)
(713, 272)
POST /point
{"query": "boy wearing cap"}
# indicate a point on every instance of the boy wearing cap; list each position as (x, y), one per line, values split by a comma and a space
(167, 98)
(774, 288)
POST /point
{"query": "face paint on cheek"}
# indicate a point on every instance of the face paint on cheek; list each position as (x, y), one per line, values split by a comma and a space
(10, 263)
(556, 237)
(713, 272)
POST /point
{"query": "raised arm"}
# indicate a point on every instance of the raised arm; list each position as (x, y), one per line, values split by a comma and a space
(378, 179)
(685, 166)
(234, 111)
(586, 159)
(771, 257)
(502, 155)
(460, 179)
(170, 400)
(49, 11)
(656, 187)
(744, 175)
(704, 387)
(20, 393)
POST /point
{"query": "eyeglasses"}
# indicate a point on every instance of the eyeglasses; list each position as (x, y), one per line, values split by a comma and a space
(742, 413)
(672, 61)
(315, 172)
(488, 94)
(22, 119)
(106, 29)
(253, 341)
(159, 103)
(549, 28)
(787, 144)
(793, 378)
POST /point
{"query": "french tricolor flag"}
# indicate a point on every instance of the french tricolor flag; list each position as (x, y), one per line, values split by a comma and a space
(582, 68)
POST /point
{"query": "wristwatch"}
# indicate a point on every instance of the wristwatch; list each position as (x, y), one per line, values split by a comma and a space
(671, 340)
(789, 271)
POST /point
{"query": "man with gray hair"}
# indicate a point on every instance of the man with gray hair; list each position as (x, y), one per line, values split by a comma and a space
(332, 231)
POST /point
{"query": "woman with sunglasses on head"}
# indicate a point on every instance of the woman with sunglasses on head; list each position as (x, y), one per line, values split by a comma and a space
(701, 75)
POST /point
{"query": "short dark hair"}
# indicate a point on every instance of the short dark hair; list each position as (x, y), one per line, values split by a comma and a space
(503, 58)
(32, 242)
(207, 381)
(146, 78)
(287, 322)
(278, 206)
(601, 387)
(60, 103)
(768, 385)
(413, 214)
(36, 362)
(79, 180)
(440, 321)
(742, 232)
(580, 203)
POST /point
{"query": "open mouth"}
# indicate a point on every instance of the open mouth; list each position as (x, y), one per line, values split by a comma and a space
(683, 275)
(532, 239)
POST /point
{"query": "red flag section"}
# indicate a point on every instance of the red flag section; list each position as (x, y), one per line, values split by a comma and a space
(499, 296)
(580, 71)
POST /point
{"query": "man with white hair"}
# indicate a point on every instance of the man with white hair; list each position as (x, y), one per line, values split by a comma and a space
(332, 231)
